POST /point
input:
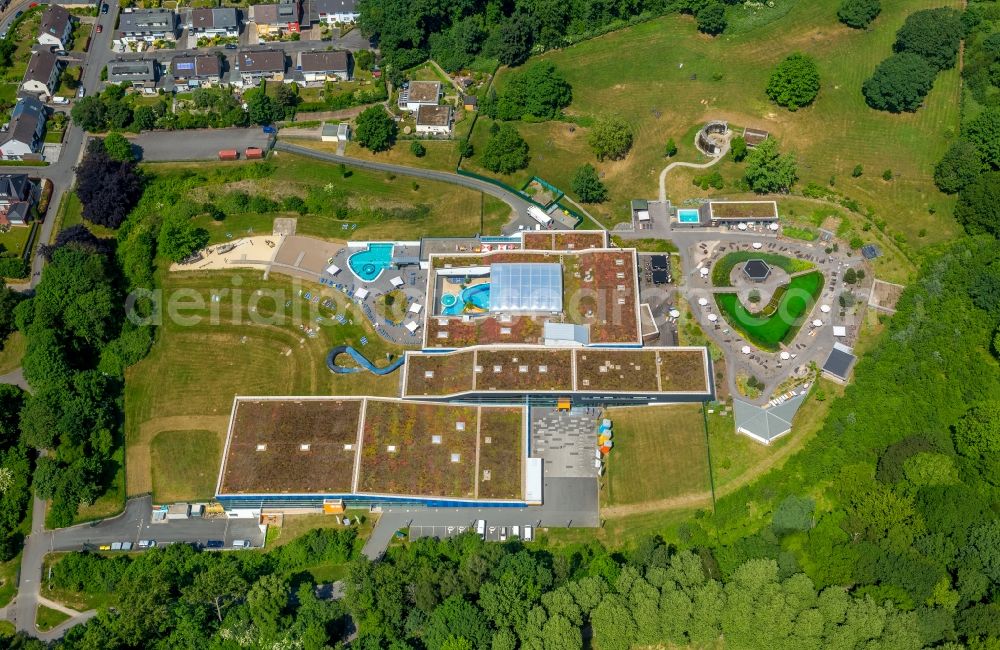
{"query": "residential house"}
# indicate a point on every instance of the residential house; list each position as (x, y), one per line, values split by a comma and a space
(16, 194)
(332, 11)
(419, 93)
(23, 136)
(319, 67)
(198, 70)
(147, 25)
(42, 76)
(255, 65)
(56, 26)
(272, 20)
(470, 102)
(222, 22)
(142, 73)
(434, 120)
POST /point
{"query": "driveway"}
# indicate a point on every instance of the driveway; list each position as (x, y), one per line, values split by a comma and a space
(201, 144)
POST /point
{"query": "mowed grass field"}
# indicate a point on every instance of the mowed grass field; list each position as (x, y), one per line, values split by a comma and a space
(667, 79)
(178, 399)
(660, 454)
(453, 211)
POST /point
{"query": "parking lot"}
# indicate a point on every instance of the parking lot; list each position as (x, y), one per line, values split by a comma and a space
(440, 532)
(203, 144)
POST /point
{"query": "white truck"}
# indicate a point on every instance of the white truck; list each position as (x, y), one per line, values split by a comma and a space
(539, 215)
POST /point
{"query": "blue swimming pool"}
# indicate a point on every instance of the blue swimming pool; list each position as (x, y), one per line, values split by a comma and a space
(475, 298)
(688, 215)
(369, 263)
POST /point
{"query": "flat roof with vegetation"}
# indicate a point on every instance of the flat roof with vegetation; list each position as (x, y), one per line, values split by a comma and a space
(339, 446)
(560, 371)
(743, 210)
(599, 286)
(565, 241)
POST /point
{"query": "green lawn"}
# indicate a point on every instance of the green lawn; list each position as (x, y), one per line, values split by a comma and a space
(294, 526)
(8, 580)
(185, 387)
(7, 629)
(779, 321)
(71, 213)
(724, 267)
(14, 239)
(185, 464)
(11, 351)
(667, 79)
(451, 210)
(47, 618)
(659, 453)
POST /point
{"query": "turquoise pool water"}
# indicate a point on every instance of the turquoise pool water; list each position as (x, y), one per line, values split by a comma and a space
(688, 215)
(369, 263)
(478, 297)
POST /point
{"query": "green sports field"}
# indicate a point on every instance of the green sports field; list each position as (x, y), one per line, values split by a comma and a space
(668, 79)
(778, 323)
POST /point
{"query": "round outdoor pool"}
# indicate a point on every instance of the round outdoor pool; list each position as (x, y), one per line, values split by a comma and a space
(448, 300)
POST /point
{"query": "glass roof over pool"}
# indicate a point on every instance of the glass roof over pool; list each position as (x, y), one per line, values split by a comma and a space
(526, 286)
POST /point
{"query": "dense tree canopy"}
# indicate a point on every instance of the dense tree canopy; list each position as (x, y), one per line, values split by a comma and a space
(537, 92)
(588, 186)
(711, 18)
(610, 138)
(899, 83)
(768, 170)
(9, 299)
(506, 151)
(180, 237)
(934, 34)
(118, 147)
(859, 13)
(961, 164)
(794, 83)
(983, 132)
(978, 207)
(375, 129)
(108, 188)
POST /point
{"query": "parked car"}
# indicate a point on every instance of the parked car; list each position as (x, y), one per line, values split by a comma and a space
(61, 53)
(503, 533)
(481, 528)
(81, 91)
(100, 28)
(215, 543)
(515, 532)
(18, 14)
(104, 547)
(242, 543)
(270, 130)
(104, 8)
(529, 534)
(147, 543)
(59, 100)
(230, 46)
(126, 546)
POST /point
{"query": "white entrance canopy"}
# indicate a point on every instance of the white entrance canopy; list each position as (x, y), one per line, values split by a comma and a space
(333, 269)
(839, 330)
(361, 293)
(396, 281)
(415, 308)
(411, 326)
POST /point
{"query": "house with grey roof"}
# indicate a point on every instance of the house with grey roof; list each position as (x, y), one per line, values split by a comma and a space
(320, 66)
(255, 65)
(56, 26)
(766, 423)
(147, 25)
(198, 70)
(16, 195)
(331, 12)
(142, 73)
(211, 22)
(42, 75)
(23, 136)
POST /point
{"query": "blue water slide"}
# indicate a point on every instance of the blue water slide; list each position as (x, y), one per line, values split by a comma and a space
(331, 362)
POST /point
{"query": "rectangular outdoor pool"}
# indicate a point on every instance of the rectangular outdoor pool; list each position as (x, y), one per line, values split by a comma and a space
(688, 215)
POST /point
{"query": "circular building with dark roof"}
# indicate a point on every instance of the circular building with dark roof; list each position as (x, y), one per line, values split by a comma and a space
(756, 270)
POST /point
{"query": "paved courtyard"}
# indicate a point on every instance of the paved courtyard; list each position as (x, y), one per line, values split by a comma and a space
(566, 441)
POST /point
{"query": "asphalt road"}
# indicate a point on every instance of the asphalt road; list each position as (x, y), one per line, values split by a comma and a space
(518, 204)
(203, 144)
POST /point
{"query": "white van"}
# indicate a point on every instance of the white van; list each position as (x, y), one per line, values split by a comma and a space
(515, 531)
(481, 528)
(241, 543)
(529, 534)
